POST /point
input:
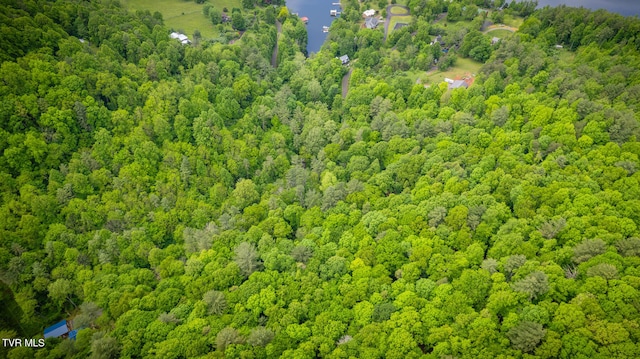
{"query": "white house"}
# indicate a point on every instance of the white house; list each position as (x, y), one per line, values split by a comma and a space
(180, 37)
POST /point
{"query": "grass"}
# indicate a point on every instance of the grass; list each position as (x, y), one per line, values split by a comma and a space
(398, 20)
(394, 10)
(499, 33)
(513, 21)
(566, 56)
(463, 67)
(454, 24)
(417, 75)
(184, 16)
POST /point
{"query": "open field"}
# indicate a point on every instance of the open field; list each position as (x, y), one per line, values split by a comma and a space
(501, 33)
(454, 24)
(513, 21)
(398, 20)
(396, 10)
(185, 16)
(417, 75)
(463, 67)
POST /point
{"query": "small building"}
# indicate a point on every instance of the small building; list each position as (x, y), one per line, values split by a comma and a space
(495, 40)
(448, 80)
(60, 329)
(344, 59)
(73, 334)
(371, 22)
(559, 47)
(305, 20)
(458, 84)
(180, 37)
(225, 18)
(369, 13)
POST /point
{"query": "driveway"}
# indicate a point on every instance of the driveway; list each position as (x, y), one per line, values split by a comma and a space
(390, 15)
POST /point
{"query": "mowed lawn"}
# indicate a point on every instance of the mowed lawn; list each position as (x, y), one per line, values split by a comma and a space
(398, 20)
(501, 33)
(181, 15)
(463, 67)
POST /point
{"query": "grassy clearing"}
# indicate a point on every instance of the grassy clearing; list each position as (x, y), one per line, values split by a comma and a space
(418, 75)
(454, 24)
(566, 56)
(398, 20)
(501, 33)
(513, 21)
(184, 16)
(394, 10)
(463, 67)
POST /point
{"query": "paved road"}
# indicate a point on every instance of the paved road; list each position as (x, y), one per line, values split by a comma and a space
(274, 56)
(345, 83)
(389, 15)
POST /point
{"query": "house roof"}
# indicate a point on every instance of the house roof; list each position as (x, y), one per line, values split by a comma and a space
(457, 84)
(56, 330)
(371, 22)
(369, 12)
(344, 58)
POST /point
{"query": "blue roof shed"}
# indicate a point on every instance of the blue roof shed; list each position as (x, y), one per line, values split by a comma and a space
(56, 330)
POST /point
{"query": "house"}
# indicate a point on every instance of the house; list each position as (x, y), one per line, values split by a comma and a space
(369, 13)
(344, 59)
(60, 329)
(495, 40)
(304, 20)
(180, 37)
(225, 18)
(371, 22)
(458, 84)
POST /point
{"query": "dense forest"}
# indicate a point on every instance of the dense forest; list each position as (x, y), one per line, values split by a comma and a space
(185, 201)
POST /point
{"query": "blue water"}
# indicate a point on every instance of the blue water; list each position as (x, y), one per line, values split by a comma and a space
(623, 7)
(318, 13)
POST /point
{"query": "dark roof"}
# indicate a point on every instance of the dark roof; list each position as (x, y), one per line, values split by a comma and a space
(458, 83)
(56, 330)
(371, 22)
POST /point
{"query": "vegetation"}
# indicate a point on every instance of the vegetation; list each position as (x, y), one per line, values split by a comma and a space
(192, 201)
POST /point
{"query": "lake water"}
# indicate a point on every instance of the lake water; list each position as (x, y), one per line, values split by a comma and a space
(318, 13)
(623, 7)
